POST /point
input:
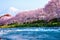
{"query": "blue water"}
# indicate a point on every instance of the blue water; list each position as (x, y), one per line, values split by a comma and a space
(52, 33)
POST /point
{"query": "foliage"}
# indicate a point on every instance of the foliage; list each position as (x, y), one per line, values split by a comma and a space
(39, 23)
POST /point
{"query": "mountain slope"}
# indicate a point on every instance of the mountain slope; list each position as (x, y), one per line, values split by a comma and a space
(4, 18)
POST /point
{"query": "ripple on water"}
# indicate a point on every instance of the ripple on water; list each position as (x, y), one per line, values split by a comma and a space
(30, 33)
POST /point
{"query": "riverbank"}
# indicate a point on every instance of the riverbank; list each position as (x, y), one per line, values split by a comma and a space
(38, 23)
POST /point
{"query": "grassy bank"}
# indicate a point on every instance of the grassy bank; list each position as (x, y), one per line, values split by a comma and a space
(38, 23)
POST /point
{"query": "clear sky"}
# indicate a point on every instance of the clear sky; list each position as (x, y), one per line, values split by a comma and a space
(12, 6)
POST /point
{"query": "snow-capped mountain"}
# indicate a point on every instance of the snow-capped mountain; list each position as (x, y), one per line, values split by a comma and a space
(51, 10)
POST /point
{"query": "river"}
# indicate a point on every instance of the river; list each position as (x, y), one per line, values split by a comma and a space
(40, 33)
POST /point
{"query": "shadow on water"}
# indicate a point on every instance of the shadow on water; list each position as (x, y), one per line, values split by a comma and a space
(5, 38)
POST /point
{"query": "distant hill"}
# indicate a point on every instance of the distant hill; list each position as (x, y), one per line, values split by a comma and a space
(4, 18)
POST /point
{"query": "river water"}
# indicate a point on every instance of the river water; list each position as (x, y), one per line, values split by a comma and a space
(45, 33)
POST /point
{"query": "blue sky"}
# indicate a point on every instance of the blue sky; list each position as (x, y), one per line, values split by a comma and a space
(11, 6)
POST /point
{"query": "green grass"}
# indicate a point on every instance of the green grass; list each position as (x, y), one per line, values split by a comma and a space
(38, 23)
